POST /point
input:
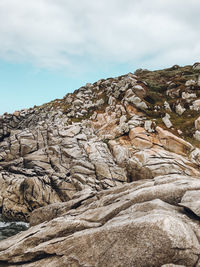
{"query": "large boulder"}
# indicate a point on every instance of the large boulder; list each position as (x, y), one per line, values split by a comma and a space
(123, 226)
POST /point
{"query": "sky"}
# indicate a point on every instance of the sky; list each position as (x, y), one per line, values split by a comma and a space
(49, 48)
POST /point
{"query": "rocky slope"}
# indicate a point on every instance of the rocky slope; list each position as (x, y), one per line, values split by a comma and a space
(106, 176)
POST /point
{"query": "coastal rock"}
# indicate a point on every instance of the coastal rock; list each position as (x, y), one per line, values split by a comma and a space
(167, 106)
(191, 201)
(173, 143)
(197, 135)
(196, 66)
(100, 179)
(197, 124)
(190, 83)
(148, 126)
(115, 216)
(180, 110)
(195, 105)
(167, 121)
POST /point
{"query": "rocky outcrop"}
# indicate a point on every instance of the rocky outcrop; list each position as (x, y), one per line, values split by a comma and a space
(46, 165)
(102, 177)
(123, 226)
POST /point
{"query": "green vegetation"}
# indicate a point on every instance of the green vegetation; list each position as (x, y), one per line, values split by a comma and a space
(158, 82)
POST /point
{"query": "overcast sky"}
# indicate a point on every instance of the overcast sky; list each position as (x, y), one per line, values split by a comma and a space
(51, 47)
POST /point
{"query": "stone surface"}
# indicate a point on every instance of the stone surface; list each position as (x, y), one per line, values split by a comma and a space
(190, 82)
(195, 105)
(191, 201)
(167, 106)
(100, 179)
(196, 66)
(173, 143)
(180, 110)
(197, 135)
(197, 124)
(124, 226)
(167, 121)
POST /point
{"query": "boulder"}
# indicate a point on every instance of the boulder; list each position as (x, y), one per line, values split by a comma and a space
(140, 138)
(127, 225)
(191, 201)
(173, 143)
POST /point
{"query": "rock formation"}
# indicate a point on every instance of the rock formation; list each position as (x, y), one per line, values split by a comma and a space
(102, 177)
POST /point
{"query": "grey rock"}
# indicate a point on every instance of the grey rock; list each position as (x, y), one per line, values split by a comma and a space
(190, 83)
(191, 201)
(180, 110)
(167, 121)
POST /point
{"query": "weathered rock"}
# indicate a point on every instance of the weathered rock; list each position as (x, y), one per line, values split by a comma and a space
(98, 183)
(191, 201)
(172, 265)
(167, 106)
(140, 138)
(197, 135)
(188, 96)
(196, 66)
(195, 105)
(180, 110)
(167, 121)
(139, 91)
(197, 124)
(148, 126)
(110, 224)
(137, 102)
(190, 83)
(173, 143)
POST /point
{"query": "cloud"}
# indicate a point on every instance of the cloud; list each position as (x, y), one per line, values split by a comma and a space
(66, 33)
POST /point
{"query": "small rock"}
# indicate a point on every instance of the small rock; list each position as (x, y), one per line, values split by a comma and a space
(195, 105)
(197, 135)
(197, 124)
(198, 81)
(187, 96)
(100, 102)
(147, 126)
(167, 121)
(196, 66)
(179, 132)
(167, 106)
(111, 101)
(179, 109)
(190, 83)
(16, 113)
(78, 102)
(139, 90)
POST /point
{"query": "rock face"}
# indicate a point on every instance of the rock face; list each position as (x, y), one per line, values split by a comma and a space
(100, 179)
(123, 226)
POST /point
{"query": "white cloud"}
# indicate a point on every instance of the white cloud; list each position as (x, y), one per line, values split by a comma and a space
(60, 33)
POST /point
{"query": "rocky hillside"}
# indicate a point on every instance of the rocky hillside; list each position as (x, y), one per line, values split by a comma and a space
(106, 176)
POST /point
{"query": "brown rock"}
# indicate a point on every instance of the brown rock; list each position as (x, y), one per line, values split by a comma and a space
(173, 143)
